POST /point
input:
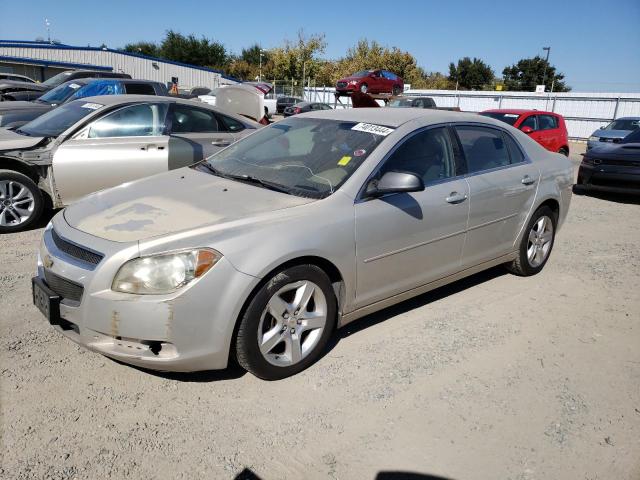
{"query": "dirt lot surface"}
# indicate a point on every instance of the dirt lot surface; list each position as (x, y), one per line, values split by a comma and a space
(493, 377)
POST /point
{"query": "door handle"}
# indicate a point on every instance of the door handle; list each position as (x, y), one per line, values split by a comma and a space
(527, 180)
(221, 143)
(150, 146)
(455, 197)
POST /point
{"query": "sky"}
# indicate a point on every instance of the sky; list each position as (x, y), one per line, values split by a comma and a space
(595, 44)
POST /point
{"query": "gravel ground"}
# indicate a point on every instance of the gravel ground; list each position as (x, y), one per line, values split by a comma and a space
(493, 377)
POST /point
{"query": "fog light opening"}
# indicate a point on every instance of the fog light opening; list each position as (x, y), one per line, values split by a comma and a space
(155, 347)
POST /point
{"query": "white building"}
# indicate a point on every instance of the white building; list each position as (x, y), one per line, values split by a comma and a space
(41, 60)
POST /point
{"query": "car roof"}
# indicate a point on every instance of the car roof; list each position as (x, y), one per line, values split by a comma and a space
(394, 117)
(518, 111)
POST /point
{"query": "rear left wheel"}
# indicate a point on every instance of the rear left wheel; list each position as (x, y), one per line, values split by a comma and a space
(536, 244)
(287, 324)
(564, 151)
(396, 90)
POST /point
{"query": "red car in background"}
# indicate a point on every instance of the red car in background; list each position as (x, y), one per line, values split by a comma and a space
(546, 128)
(371, 81)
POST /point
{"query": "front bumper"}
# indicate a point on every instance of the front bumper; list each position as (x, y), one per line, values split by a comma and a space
(188, 330)
(609, 178)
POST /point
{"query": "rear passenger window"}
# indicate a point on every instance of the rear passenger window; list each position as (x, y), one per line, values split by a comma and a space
(427, 154)
(547, 122)
(139, 89)
(232, 124)
(514, 149)
(185, 119)
(530, 121)
(484, 148)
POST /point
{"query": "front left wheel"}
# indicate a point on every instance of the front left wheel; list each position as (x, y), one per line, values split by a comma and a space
(21, 202)
(287, 324)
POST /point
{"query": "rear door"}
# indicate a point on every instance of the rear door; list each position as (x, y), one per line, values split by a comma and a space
(121, 146)
(196, 133)
(502, 187)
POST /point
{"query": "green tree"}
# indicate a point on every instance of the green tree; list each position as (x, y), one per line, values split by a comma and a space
(251, 55)
(528, 72)
(470, 74)
(295, 58)
(192, 50)
(144, 48)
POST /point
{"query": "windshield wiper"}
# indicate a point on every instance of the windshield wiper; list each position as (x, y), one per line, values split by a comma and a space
(246, 178)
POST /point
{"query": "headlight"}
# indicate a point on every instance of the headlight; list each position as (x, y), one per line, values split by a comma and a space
(593, 138)
(164, 273)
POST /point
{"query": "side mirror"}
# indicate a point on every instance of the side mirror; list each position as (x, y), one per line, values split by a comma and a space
(395, 182)
(527, 130)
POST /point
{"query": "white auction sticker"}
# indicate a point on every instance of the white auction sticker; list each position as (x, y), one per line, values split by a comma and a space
(371, 128)
(75, 86)
(92, 106)
(511, 115)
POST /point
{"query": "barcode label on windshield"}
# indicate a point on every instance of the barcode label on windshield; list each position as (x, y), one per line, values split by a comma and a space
(370, 128)
(92, 106)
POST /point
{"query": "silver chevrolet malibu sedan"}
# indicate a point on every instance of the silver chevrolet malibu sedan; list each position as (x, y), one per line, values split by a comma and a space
(260, 252)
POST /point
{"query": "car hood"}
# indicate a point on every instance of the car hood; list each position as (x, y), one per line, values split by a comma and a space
(24, 85)
(611, 133)
(171, 202)
(625, 152)
(13, 141)
(22, 106)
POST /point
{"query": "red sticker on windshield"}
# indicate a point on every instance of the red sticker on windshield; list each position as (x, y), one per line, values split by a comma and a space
(359, 153)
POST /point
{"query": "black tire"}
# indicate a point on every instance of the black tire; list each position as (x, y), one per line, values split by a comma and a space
(396, 90)
(38, 201)
(364, 88)
(564, 151)
(246, 345)
(521, 265)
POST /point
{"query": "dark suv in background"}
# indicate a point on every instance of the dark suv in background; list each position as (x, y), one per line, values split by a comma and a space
(283, 102)
(14, 90)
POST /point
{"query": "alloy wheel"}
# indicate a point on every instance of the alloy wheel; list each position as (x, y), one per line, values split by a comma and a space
(540, 240)
(292, 323)
(16, 203)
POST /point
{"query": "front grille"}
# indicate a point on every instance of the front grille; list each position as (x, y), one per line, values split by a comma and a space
(619, 163)
(342, 84)
(76, 251)
(63, 287)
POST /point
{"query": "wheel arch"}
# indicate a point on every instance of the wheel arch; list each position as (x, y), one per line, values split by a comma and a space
(329, 268)
(31, 171)
(553, 204)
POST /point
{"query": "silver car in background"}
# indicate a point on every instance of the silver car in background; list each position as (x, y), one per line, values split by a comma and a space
(98, 142)
(261, 251)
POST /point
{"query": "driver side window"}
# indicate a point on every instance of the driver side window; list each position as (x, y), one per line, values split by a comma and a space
(145, 120)
(427, 154)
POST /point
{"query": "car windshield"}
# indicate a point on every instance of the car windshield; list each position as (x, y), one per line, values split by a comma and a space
(53, 123)
(61, 93)
(401, 103)
(510, 118)
(361, 73)
(57, 79)
(307, 157)
(624, 124)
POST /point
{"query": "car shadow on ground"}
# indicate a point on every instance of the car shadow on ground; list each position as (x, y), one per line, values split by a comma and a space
(609, 197)
(234, 371)
(248, 474)
(416, 302)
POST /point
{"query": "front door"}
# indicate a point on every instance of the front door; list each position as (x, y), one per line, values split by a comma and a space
(407, 240)
(119, 147)
(502, 186)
